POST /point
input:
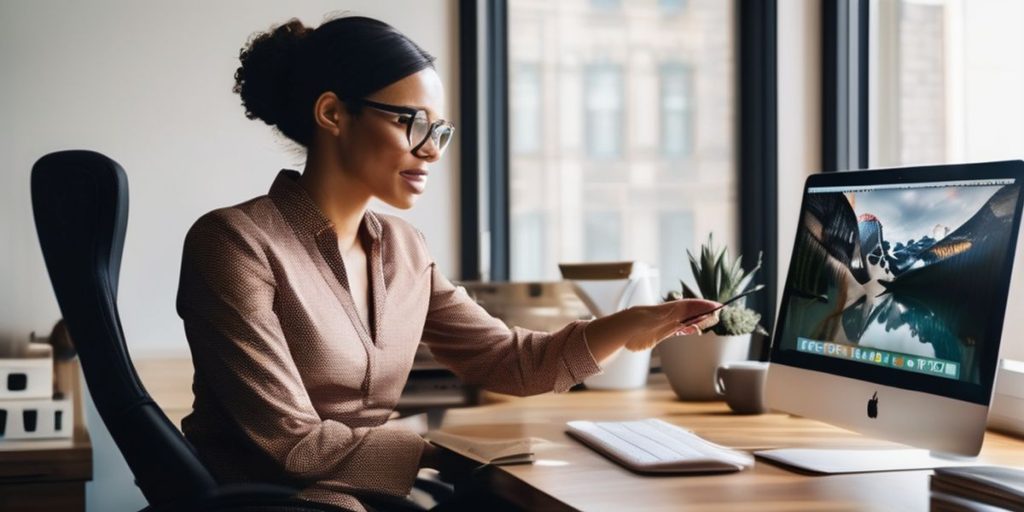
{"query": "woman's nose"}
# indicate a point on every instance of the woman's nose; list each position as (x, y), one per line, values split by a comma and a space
(429, 152)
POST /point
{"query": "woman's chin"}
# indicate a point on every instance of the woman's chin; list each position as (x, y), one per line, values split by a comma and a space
(402, 202)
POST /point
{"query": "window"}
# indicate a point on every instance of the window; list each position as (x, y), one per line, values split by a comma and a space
(528, 245)
(943, 84)
(946, 84)
(526, 107)
(675, 236)
(606, 4)
(603, 236)
(676, 114)
(620, 174)
(604, 126)
(671, 6)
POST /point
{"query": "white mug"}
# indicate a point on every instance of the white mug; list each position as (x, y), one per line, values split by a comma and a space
(742, 385)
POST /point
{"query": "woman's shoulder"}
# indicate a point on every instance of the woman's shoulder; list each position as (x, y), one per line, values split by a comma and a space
(224, 253)
(239, 226)
(401, 234)
(237, 218)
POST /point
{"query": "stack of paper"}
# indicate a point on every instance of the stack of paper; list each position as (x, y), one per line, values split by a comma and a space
(978, 488)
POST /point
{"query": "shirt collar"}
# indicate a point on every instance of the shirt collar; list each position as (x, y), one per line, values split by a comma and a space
(303, 214)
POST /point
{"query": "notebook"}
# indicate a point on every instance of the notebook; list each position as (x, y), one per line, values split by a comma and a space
(487, 450)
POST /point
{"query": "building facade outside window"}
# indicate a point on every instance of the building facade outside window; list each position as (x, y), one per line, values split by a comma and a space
(527, 129)
(676, 235)
(676, 110)
(528, 244)
(637, 115)
(672, 6)
(602, 236)
(606, 4)
(946, 82)
(604, 116)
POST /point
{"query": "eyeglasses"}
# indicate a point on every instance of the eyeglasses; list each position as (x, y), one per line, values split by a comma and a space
(418, 128)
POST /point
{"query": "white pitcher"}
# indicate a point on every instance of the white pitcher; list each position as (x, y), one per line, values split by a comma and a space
(609, 287)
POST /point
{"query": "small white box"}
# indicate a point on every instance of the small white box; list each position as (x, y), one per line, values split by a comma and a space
(26, 378)
(36, 419)
(1007, 410)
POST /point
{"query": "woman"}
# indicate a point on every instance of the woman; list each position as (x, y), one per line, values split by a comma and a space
(303, 309)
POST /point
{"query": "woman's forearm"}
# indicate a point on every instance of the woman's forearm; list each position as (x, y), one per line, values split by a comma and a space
(608, 334)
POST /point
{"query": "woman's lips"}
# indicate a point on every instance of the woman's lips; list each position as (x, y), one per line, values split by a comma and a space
(416, 178)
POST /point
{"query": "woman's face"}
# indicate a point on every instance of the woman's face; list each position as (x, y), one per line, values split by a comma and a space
(376, 150)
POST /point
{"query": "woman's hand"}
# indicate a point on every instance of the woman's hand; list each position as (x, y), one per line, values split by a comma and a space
(671, 313)
(642, 327)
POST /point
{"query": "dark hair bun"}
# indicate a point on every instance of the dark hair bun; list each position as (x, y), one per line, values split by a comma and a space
(264, 78)
(285, 69)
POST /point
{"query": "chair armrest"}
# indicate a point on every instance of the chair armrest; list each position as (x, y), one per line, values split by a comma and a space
(253, 489)
(248, 497)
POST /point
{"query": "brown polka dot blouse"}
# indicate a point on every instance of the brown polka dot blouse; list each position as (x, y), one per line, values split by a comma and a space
(290, 384)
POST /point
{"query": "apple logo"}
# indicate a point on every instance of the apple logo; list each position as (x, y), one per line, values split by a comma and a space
(873, 406)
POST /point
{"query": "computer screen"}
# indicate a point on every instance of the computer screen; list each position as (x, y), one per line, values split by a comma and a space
(900, 278)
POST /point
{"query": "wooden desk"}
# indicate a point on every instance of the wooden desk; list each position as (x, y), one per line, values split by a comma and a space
(572, 476)
(48, 475)
(45, 475)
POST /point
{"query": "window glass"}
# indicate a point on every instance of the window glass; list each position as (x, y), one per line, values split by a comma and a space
(605, 4)
(526, 104)
(603, 236)
(676, 115)
(946, 81)
(604, 110)
(627, 123)
(675, 236)
(528, 242)
(671, 6)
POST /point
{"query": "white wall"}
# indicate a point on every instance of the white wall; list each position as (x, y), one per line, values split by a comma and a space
(149, 84)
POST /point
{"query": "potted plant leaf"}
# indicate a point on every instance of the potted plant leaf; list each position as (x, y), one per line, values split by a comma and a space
(690, 362)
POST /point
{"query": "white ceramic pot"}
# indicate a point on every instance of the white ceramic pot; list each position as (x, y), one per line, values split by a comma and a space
(626, 370)
(690, 362)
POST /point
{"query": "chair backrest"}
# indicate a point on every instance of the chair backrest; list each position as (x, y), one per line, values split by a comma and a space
(80, 203)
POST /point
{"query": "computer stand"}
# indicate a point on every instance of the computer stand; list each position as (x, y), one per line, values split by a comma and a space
(829, 461)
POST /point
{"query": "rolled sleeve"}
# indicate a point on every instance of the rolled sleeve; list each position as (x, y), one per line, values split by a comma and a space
(578, 360)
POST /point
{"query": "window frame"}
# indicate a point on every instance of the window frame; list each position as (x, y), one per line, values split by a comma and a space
(845, 39)
(757, 88)
(756, 159)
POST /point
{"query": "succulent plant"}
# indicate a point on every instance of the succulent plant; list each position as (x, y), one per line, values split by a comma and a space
(720, 278)
(736, 320)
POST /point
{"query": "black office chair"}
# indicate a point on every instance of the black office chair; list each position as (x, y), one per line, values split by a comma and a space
(80, 202)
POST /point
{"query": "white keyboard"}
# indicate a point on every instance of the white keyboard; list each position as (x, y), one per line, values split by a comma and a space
(654, 446)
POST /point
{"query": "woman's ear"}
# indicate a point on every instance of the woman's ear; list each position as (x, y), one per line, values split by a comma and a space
(330, 113)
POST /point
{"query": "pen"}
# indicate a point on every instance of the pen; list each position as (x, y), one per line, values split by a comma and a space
(722, 305)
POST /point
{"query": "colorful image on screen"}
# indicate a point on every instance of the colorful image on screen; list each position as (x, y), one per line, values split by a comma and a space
(900, 277)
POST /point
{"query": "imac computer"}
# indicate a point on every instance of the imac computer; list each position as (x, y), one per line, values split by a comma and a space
(892, 310)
